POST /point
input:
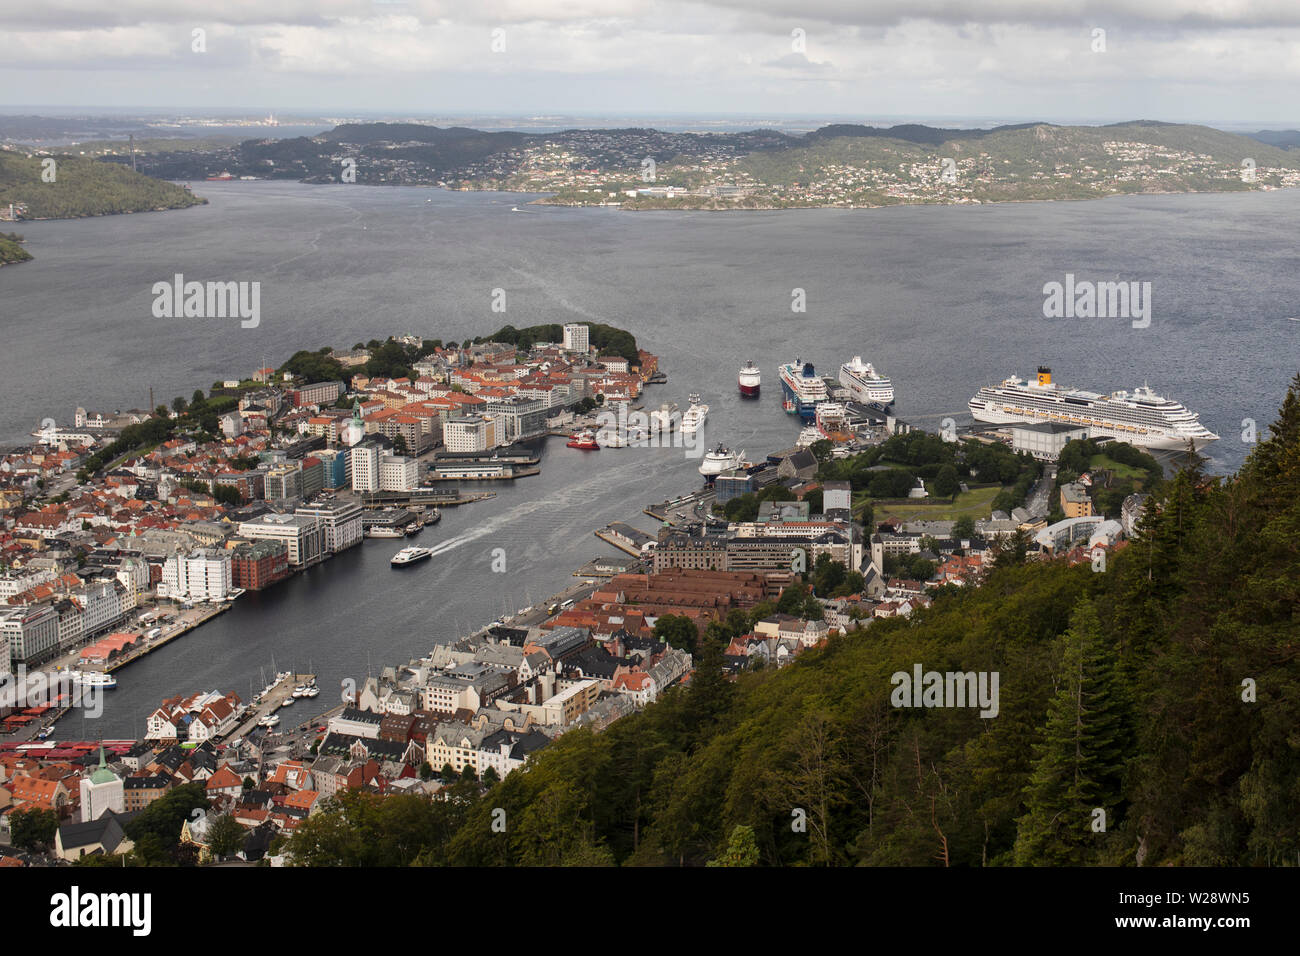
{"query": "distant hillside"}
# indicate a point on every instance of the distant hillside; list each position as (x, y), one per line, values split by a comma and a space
(908, 132)
(83, 187)
(1038, 161)
(847, 165)
(1283, 138)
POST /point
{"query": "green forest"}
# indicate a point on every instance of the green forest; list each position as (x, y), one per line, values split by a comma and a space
(84, 187)
(11, 250)
(1147, 716)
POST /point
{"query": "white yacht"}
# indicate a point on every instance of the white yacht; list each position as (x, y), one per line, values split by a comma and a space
(695, 416)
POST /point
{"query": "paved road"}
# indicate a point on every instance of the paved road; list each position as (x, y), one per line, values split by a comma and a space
(1039, 500)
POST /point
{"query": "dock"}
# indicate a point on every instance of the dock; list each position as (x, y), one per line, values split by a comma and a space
(188, 622)
(481, 471)
(624, 537)
(269, 704)
(435, 497)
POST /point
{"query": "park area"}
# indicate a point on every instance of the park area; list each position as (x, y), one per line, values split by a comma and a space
(977, 503)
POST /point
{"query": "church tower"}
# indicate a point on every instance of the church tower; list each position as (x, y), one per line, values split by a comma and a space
(101, 791)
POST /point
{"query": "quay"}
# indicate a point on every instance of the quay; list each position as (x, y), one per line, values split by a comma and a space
(444, 458)
(435, 497)
(699, 502)
(625, 538)
(609, 567)
(481, 471)
(185, 622)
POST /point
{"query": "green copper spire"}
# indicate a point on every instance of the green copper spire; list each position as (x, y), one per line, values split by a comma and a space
(103, 774)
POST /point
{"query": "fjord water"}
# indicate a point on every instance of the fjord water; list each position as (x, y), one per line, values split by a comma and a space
(942, 299)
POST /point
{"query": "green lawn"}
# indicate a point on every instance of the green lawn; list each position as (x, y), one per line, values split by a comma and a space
(978, 503)
(1120, 471)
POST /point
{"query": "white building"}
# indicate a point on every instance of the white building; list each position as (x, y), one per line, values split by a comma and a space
(398, 473)
(201, 575)
(366, 457)
(341, 521)
(469, 433)
(16, 582)
(576, 337)
(31, 631)
(101, 605)
(1044, 440)
(101, 792)
(303, 535)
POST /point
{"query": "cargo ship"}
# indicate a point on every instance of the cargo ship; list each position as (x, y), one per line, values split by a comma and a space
(802, 390)
(1140, 417)
(750, 380)
(864, 383)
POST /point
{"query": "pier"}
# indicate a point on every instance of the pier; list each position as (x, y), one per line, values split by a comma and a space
(428, 497)
(270, 704)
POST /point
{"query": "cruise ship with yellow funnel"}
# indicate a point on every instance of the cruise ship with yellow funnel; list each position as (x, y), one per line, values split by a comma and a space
(1140, 417)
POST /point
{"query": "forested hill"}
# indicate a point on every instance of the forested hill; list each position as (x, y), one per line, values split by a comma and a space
(1164, 692)
(83, 187)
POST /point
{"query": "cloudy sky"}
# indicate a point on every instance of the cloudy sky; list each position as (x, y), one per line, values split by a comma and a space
(1196, 60)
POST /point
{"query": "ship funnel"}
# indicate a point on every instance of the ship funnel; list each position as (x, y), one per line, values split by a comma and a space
(1044, 375)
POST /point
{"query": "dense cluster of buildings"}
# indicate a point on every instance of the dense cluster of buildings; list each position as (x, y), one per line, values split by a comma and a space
(279, 489)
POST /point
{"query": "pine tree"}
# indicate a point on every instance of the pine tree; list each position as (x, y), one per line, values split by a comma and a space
(1079, 764)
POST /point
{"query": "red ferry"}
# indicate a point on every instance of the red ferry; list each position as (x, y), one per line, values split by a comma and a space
(586, 440)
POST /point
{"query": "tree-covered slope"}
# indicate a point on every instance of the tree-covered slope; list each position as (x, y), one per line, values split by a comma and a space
(83, 187)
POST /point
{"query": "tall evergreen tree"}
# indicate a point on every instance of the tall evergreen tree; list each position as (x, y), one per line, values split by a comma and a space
(1078, 766)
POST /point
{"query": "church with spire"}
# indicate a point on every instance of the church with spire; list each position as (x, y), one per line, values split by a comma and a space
(101, 791)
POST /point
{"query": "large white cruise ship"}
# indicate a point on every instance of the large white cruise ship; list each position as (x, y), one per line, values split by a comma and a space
(1140, 417)
(864, 383)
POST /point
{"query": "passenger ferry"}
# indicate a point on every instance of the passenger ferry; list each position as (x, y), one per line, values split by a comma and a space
(410, 556)
(94, 679)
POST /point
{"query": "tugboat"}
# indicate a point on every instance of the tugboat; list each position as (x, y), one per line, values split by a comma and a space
(585, 439)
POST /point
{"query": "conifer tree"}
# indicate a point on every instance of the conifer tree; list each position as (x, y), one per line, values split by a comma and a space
(1078, 766)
